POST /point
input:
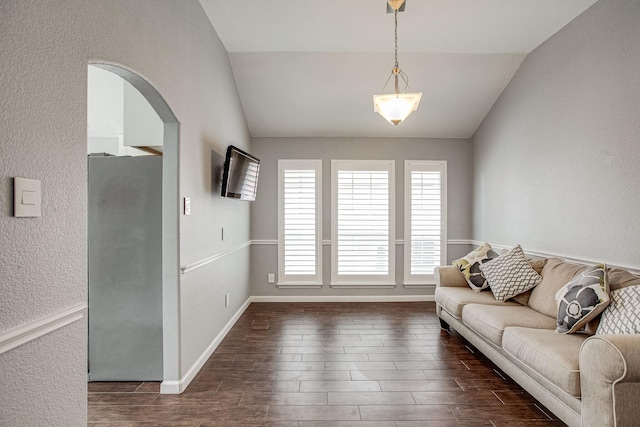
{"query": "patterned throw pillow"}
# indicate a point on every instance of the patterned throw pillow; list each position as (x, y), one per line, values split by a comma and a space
(510, 274)
(582, 299)
(470, 264)
(623, 314)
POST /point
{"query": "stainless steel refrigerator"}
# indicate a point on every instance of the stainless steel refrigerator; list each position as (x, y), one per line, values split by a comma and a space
(125, 268)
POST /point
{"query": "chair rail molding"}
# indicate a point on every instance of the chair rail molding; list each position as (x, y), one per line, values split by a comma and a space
(188, 268)
(30, 331)
(577, 260)
(201, 263)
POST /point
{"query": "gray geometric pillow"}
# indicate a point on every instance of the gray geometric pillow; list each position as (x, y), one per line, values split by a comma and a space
(623, 314)
(582, 299)
(510, 274)
(469, 266)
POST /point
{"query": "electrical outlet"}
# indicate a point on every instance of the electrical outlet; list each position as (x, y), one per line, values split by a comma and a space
(226, 300)
(271, 278)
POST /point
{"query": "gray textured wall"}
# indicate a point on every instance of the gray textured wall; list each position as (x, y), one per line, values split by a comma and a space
(556, 160)
(264, 224)
(45, 48)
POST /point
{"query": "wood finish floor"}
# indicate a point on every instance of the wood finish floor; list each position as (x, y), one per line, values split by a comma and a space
(331, 364)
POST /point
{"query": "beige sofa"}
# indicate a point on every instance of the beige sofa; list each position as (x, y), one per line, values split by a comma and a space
(584, 380)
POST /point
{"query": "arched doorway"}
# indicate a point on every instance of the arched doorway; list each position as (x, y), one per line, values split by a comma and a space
(170, 217)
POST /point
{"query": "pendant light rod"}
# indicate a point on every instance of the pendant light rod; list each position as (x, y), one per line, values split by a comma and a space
(395, 36)
(396, 68)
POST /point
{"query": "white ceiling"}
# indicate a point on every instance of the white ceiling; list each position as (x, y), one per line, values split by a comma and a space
(310, 67)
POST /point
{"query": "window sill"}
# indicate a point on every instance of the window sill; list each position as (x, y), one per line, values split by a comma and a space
(299, 285)
(426, 284)
(367, 285)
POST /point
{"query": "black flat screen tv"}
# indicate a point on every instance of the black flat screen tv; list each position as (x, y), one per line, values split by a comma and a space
(240, 174)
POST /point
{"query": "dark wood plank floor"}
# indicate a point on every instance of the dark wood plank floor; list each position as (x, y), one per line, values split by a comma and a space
(331, 364)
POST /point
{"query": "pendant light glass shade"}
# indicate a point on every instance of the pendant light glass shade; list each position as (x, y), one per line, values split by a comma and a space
(395, 107)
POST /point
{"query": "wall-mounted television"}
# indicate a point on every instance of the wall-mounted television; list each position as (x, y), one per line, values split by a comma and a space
(240, 174)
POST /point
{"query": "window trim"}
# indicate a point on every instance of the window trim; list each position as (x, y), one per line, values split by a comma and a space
(417, 280)
(363, 281)
(300, 281)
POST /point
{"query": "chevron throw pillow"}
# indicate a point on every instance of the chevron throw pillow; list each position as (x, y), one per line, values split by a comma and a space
(510, 274)
(622, 316)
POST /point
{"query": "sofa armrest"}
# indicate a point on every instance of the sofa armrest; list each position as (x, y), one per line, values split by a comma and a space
(448, 275)
(610, 380)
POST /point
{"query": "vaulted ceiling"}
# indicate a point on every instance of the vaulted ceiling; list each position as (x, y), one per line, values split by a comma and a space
(309, 68)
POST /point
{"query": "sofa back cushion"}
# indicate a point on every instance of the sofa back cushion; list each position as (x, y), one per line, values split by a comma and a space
(619, 279)
(555, 274)
(538, 264)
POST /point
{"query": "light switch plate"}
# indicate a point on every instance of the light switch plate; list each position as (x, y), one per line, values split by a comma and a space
(27, 197)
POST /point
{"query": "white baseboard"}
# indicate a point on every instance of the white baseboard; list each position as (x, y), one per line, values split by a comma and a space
(172, 387)
(349, 298)
(177, 387)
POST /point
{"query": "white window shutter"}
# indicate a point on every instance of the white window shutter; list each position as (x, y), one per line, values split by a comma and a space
(425, 215)
(425, 221)
(363, 223)
(299, 223)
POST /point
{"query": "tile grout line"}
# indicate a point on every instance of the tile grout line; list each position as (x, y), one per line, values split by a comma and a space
(498, 397)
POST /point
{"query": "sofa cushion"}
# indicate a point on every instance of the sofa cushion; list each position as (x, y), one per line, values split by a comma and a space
(582, 299)
(510, 274)
(623, 314)
(454, 299)
(469, 266)
(555, 274)
(552, 355)
(490, 321)
(619, 279)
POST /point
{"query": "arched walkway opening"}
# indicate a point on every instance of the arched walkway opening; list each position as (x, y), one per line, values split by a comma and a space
(170, 217)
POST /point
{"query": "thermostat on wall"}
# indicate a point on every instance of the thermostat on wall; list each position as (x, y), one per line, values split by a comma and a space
(27, 197)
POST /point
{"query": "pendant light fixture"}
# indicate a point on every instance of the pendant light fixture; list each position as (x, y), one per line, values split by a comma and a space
(395, 107)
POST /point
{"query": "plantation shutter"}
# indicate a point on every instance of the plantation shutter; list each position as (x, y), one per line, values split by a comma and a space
(363, 222)
(299, 222)
(425, 221)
